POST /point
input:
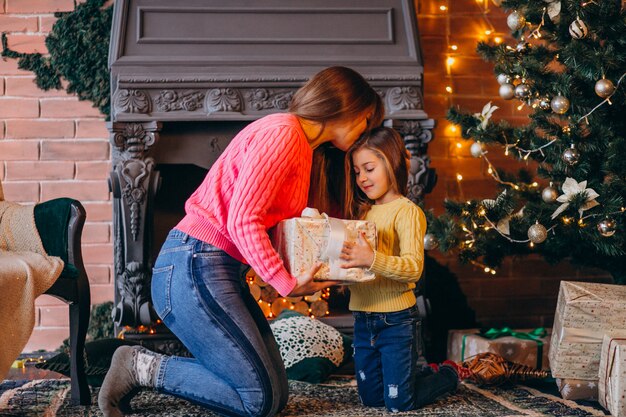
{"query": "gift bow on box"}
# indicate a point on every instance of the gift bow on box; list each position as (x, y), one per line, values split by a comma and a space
(535, 335)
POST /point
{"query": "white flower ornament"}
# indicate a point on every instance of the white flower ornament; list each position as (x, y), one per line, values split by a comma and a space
(570, 189)
(485, 115)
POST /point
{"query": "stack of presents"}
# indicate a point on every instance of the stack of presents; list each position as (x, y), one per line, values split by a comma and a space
(585, 351)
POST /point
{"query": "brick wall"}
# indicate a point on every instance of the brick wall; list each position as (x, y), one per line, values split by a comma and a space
(52, 145)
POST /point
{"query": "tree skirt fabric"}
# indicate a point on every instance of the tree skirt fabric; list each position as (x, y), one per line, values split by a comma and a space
(337, 398)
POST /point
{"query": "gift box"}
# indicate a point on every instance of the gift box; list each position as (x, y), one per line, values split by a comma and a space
(303, 241)
(612, 374)
(584, 312)
(578, 389)
(526, 347)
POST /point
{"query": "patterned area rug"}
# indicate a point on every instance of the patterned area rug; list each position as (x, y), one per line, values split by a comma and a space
(337, 398)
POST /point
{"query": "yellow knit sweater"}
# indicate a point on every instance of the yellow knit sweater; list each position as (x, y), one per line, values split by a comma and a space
(398, 259)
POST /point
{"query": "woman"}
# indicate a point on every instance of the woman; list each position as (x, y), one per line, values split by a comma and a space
(198, 285)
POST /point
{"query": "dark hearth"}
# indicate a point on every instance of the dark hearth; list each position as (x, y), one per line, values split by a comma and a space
(185, 78)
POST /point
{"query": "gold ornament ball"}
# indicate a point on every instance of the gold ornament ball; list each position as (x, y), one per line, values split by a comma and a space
(515, 20)
(507, 91)
(604, 88)
(522, 91)
(430, 241)
(549, 194)
(571, 156)
(559, 104)
(607, 227)
(537, 233)
(476, 150)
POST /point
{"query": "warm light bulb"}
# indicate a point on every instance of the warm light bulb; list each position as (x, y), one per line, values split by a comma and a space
(487, 32)
(493, 272)
(453, 128)
(459, 177)
(458, 145)
(487, 269)
(454, 47)
(497, 40)
(450, 61)
(443, 8)
(448, 89)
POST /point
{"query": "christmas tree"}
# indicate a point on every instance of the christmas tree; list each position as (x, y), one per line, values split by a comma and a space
(569, 68)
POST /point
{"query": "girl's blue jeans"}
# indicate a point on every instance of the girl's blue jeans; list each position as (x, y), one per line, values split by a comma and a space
(200, 293)
(385, 361)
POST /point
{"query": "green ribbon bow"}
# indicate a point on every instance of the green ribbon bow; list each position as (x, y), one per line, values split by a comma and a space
(535, 335)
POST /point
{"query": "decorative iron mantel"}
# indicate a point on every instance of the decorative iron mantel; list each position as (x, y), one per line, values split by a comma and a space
(219, 67)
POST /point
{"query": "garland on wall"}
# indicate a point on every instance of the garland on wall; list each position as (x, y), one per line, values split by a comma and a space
(78, 48)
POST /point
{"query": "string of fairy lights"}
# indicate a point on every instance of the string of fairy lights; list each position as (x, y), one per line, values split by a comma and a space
(516, 87)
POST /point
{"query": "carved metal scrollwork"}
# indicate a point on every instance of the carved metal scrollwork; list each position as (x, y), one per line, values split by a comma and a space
(403, 98)
(131, 101)
(222, 100)
(170, 100)
(262, 99)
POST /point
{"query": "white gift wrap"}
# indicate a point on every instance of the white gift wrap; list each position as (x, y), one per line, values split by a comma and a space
(584, 312)
(303, 241)
(612, 374)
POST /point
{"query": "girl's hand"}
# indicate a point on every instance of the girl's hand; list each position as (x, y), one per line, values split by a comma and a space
(357, 254)
(306, 286)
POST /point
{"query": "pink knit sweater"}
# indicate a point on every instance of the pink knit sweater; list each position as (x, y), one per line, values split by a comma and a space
(260, 179)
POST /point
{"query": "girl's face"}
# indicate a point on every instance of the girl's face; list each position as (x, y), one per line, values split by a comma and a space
(371, 176)
(344, 133)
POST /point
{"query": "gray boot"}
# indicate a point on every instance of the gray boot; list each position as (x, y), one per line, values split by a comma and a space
(132, 368)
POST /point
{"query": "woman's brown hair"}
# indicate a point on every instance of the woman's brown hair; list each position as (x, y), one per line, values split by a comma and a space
(389, 146)
(335, 93)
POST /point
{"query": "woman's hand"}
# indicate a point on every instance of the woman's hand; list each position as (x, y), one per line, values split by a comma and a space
(306, 286)
(357, 254)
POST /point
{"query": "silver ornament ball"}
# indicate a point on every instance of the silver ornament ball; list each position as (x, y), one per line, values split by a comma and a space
(578, 29)
(537, 233)
(430, 241)
(607, 227)
(477, 150)
(503, 79)
(515, 20)
(522, 91)
(507, 91)
(571, 156)
(559, 104)
(549, 194)
(604, 87)
(544, 103)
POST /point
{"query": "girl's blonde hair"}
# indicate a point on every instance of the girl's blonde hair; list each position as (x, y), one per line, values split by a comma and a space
(388, 145)
(334, 94)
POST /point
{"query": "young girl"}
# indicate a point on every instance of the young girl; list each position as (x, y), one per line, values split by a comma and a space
(386, 318)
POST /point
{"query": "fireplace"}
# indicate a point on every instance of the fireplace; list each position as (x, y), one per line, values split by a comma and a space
(186, 78)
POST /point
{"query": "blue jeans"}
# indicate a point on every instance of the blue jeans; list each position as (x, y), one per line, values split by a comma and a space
(200, 293)
(385, 361)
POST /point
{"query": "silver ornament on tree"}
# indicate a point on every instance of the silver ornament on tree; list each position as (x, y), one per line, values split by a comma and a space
(522, 91)
(559, 104)
(549, 194)
(544, 103)
(607, 227)
(522, 47)
(507, 91)
(604, 88)
(477, 150)
(515, 20)
(430, 241)
(571, 155)
(537, 233)
(578, 29)
(503, 79)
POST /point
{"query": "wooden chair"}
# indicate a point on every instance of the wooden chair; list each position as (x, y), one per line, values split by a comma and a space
(60, 225)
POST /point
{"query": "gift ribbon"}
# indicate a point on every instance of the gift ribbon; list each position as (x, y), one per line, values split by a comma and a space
(609, 367)
(535, 335)
(336, 238)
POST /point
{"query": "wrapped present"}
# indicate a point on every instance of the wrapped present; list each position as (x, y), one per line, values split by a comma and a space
(524, 347)
(584, 312)
(303, 241)
(612, 374)
(578, 389)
